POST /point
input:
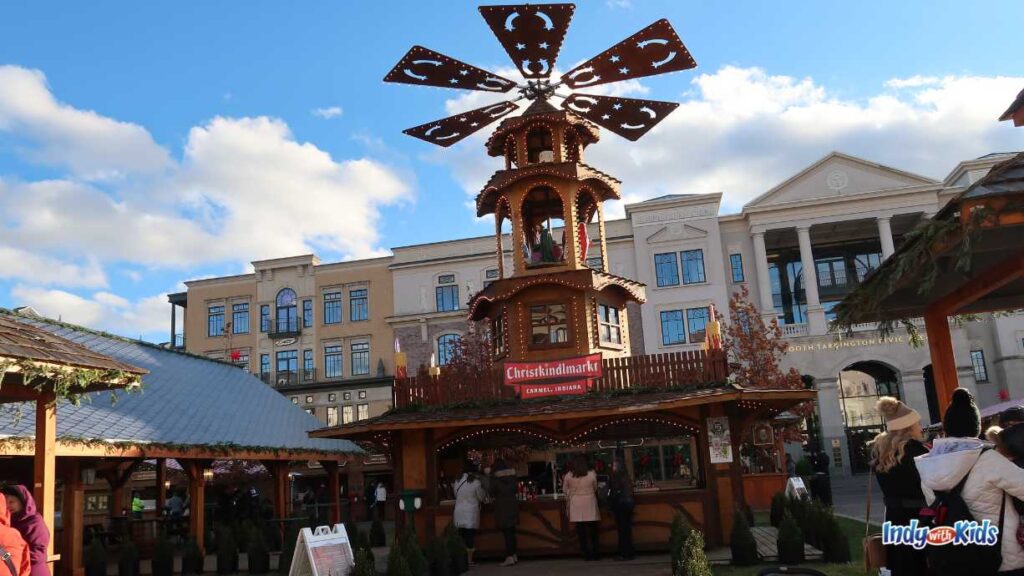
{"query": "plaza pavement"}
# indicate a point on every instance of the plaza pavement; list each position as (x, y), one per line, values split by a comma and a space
(849, 497)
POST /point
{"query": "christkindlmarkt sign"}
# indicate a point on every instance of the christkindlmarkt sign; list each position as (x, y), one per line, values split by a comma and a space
(566, 377)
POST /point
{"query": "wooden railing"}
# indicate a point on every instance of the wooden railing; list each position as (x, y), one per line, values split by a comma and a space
(653, 371)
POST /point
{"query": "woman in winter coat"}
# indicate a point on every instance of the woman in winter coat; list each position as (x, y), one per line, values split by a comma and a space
(892, 461)
(622, 502)
(506, 508)
(26, 519)
(12, 542)
(469, 495)
(580, 487)
(992, 479)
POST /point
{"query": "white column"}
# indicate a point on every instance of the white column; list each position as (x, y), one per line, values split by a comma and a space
(764, 279)
(815, 313)
(915, 395)
(833, 429)
(885, 236)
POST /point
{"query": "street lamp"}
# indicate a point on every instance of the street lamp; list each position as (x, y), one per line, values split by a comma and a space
(409, 502)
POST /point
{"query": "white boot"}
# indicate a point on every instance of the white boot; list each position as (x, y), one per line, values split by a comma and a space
(510, 561)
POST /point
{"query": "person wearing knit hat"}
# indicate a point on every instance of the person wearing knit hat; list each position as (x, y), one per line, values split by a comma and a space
(962, 419)
(892, 461)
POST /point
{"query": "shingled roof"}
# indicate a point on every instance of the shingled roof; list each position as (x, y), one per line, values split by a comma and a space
(20, 341)
(187, 401)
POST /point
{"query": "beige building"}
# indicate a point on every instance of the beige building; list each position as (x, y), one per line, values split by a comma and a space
(315, 332)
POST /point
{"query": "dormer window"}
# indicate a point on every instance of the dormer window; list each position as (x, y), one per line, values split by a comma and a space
(538, 146)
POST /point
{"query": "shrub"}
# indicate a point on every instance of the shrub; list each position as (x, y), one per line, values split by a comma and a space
(437, 558)
(363, 540)
(95, 557)
(227, 552)
(192, 558)
(284, 564)
(365, 564)
(804, 468)
(677, 538)
(398, 566)
(797, 508)
(835, 547)
(693, 562)
(811, 525)
(163, 557)
(748, 513)
(742, 543)
(377, 536)
(778, 508)
(258, 552)
(128, 560)
(790, 543)
(457, 553)
(412, 552)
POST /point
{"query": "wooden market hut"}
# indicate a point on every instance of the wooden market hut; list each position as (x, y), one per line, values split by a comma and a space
(968, 259)
(191, 409)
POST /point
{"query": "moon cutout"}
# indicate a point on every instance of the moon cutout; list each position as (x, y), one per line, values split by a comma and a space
(509, 21)
(583, 72)
(548, 25)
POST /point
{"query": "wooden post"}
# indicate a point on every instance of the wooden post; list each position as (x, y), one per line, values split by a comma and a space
(44, 477)
(279, 475)
(71, 563)
(940, 345)
(161, 490)
(197, 500)
(333, 489)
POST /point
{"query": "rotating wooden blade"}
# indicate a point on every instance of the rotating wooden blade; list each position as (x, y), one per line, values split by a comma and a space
(450, 130)
(628, 117)
(425, 67)
(654, 50)
(532, 34)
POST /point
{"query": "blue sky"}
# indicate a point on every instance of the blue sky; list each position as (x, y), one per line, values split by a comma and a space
(142, 144)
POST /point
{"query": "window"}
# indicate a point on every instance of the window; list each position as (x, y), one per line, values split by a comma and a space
(241, 360)
(215, 321)
(978, 362)
(346, 415)
(831, 272)
(362, 394)
(736, 264)
(359, 308)
(610, 327)
(672, 330)
(311, 412)
(865, 263)
(307, 313)
(240, 318)
(332, 397)
(548, 325)
(309, 399)
(295, 399)
(596, 263)
(265, 318)
(264, 363)
(332, 307)
(287, 311)
(287, 363)
(332, 415)
(696, 323)
(446, 279)
(360, 358)
(491, 274)
(97, 503)
(308, 372)
(498, 335)
(333, 362)
(363, 412)
(446, 344)
(347, 395)
(693, 266)
(447, 297)
(666, 269)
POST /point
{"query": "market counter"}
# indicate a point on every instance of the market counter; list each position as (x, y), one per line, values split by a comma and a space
(544, 528)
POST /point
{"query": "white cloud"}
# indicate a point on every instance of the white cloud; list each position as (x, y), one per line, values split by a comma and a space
(101, 310)
(740, 131)
(613, 4)
(55, 134)
(42, 269)
(327, 113)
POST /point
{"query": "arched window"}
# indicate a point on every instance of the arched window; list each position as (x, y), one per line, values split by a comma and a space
(543, 227)
(287, 311)
(538, 145)
(446, 344)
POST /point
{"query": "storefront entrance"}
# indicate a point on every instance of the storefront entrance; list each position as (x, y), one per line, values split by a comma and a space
(860, 385)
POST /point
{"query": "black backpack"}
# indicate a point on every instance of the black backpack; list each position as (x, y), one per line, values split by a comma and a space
(6, 557)
(954, 560)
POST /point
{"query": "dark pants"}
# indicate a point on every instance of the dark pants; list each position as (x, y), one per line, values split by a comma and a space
(468, 537)
(510, 541)
(586, 532)
(624, 525)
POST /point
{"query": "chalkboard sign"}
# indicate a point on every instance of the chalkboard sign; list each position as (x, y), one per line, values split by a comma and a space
(322, 551)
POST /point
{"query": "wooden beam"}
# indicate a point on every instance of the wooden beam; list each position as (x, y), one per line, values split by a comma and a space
(76, 449)
(71, 562)
(161, 490)
(333, 490)
(940, 346)
(44, 477)
(197, 500)
(993, 278)
(279, 477)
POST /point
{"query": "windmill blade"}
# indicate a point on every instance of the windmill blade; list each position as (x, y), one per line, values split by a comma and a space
(654, 50)
(450, 130)
(532, 34)
(628, 117)
(425, 67)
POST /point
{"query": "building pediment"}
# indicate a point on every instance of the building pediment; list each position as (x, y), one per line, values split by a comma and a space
(838, 175)
(676, 232)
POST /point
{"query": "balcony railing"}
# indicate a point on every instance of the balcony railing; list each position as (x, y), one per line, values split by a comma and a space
(794, 330)
(653, 371)
(289, 328)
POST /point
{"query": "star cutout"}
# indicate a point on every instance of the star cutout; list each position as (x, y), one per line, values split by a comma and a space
(474, 123)
(543, 45)
(624, 70)
(462, 118)
(464, 72)
(520, 46)
(614, 58)
(605, 117)
(616, 106)
(453, 81)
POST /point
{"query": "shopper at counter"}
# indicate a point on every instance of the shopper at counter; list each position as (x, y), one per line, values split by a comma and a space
(469, 495)
(622, 503)
(504, 486)
(580, 487)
